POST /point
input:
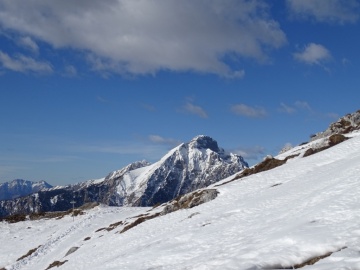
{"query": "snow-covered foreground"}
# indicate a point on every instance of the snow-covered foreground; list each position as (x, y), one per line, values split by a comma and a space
(279, 218)
(54, 237)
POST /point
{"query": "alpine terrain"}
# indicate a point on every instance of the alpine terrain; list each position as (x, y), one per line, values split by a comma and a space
(187, 167)
(19, 187)
(297, 210)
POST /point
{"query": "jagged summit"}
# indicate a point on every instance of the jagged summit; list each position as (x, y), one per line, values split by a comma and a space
(204, 142)
(187, 167)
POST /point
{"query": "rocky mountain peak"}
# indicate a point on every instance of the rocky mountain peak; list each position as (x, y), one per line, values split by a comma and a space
(187, 167)
(19, 187)
(344, 125)
(204, 142)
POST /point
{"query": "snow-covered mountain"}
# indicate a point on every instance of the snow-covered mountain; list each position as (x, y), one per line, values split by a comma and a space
(19, 187)
(303, 214)
(187, 167)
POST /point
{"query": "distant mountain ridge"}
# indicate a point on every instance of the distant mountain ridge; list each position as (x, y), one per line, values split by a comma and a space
(187, 167)
(19, 187)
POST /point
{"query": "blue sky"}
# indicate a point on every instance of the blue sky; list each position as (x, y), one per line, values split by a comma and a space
(88, 87)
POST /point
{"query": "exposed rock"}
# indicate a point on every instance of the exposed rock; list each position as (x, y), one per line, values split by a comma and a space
(309, 152)
(333, 140)
(268, 164)
(189, 200)
(336, 138)
(55, 263)
(31, 251)
(311, 261)
(71, 250)
(344, 125)
(139, 221)
(187, 167)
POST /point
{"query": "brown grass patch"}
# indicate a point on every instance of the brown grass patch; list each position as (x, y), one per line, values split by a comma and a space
(309, 152)
(31, 251)
(88, 206)
(181, 202)
(336, 139)
(267, 164)
(114, 225)
(56, 263)
(308, 262)
(14, 218)
(190, 200)
(139, 221)
(42, 215)
(312, 151)
(312, 261)
(333, 140)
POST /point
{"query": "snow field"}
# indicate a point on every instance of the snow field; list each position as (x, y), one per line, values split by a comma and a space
(56, 237)
(278, 218)
(254, 225)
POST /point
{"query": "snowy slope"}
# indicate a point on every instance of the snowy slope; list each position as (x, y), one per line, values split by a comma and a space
(305, 208)
(55, 237)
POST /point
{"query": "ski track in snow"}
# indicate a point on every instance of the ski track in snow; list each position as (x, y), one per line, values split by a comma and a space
(53, 242)
(82, 225)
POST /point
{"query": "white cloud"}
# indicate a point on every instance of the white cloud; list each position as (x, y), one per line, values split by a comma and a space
(21, 63)
(333, 116)
(120, 149)
(286, 147)
(28, 43)
(102, 100)
(148, 107)
(238, 74)
(142, 149)
(333, 11)
(248, 111)
(70, 71)
(345, 62)
(143, 37)
(250, 153)
(286, 109)
(298, 105)
(196, 110)
(161, 140)
(313, 54)
(303, 105)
